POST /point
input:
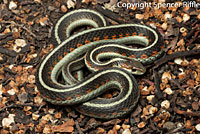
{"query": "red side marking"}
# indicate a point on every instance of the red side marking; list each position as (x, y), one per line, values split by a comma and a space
(114, 113)
(141, 34)
(132, 56)
(88, 63)
(162, 46)
(76, 75)
(114, 37)
(127, 35)
(89, 90)
(65, 53)
(48, 97)
(55, 62)
(87, 41)
(78, 95)
(60, 57)
(49, 77)
(51, 68)
(102, 83)
(143, 56)
(96, 38)
(71, 49)
(97, 86)
(133, 34)
(117, 52)
(149, 40)
(79, 45)
(125, 109)
(121, 36)
(123, 54)
(154, 53)
(68, 98)
(107, 81)
(105, 37)
(58, 99)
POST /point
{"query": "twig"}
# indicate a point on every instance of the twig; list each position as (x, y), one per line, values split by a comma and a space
(21, 26)
(8, 52)
(178, 111)
(158, 93)
(176, 83)
(18, 105)
(167, 58)
(78, 127)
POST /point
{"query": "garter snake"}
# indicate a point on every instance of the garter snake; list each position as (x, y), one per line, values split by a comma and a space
(100, 42)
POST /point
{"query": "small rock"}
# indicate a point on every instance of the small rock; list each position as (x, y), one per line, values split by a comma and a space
(125, 126)
(195, 105)
(127, 131)
(168, 91)
(117, 127)
(164, 26)
(20, 42)
(186, 17)
(197, 127)
(141, 124)
(169, 125)
(63, 8)
(35, 116)
(153, 110)
(11, 92)
(70, 4)
(165, 104)
(167, 16)
(6, 122)
(150, 98)
(139, 16)
(178, 61)
(12, 5)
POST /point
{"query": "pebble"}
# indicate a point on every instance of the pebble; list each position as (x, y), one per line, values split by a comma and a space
(168, 91)
(11, 92)
(20, 42)
(197, 127)
(70, 4)
(169, 125)
(165, 104)
(12, 5)
(178, 61)
(126, 131)
(63, 8)
(186, 17)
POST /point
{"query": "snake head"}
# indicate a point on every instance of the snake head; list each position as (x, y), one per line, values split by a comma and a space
(133, 66)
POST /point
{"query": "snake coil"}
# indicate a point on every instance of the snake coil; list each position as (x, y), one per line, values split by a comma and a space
(100, 42)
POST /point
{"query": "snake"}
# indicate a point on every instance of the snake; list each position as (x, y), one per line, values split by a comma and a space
(105, 50)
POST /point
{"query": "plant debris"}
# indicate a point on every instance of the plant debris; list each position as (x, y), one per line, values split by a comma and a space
(170, 90)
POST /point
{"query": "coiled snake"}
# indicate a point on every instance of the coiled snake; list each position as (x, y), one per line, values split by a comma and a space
(112, 63)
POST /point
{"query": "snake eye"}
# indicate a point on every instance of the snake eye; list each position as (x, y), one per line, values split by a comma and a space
(134, 69)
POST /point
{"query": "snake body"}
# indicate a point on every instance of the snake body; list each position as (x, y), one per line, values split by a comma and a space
(100, 42)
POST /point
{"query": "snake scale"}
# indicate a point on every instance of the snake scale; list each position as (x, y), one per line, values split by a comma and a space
(104, 51)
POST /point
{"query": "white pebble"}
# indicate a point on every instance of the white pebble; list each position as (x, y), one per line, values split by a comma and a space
(11, 92)
(168, 91)
(178, 61)
(20, 42)
(7, 121)
(197, 127)
(165, 104)
(12, 5)
(126, 131)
